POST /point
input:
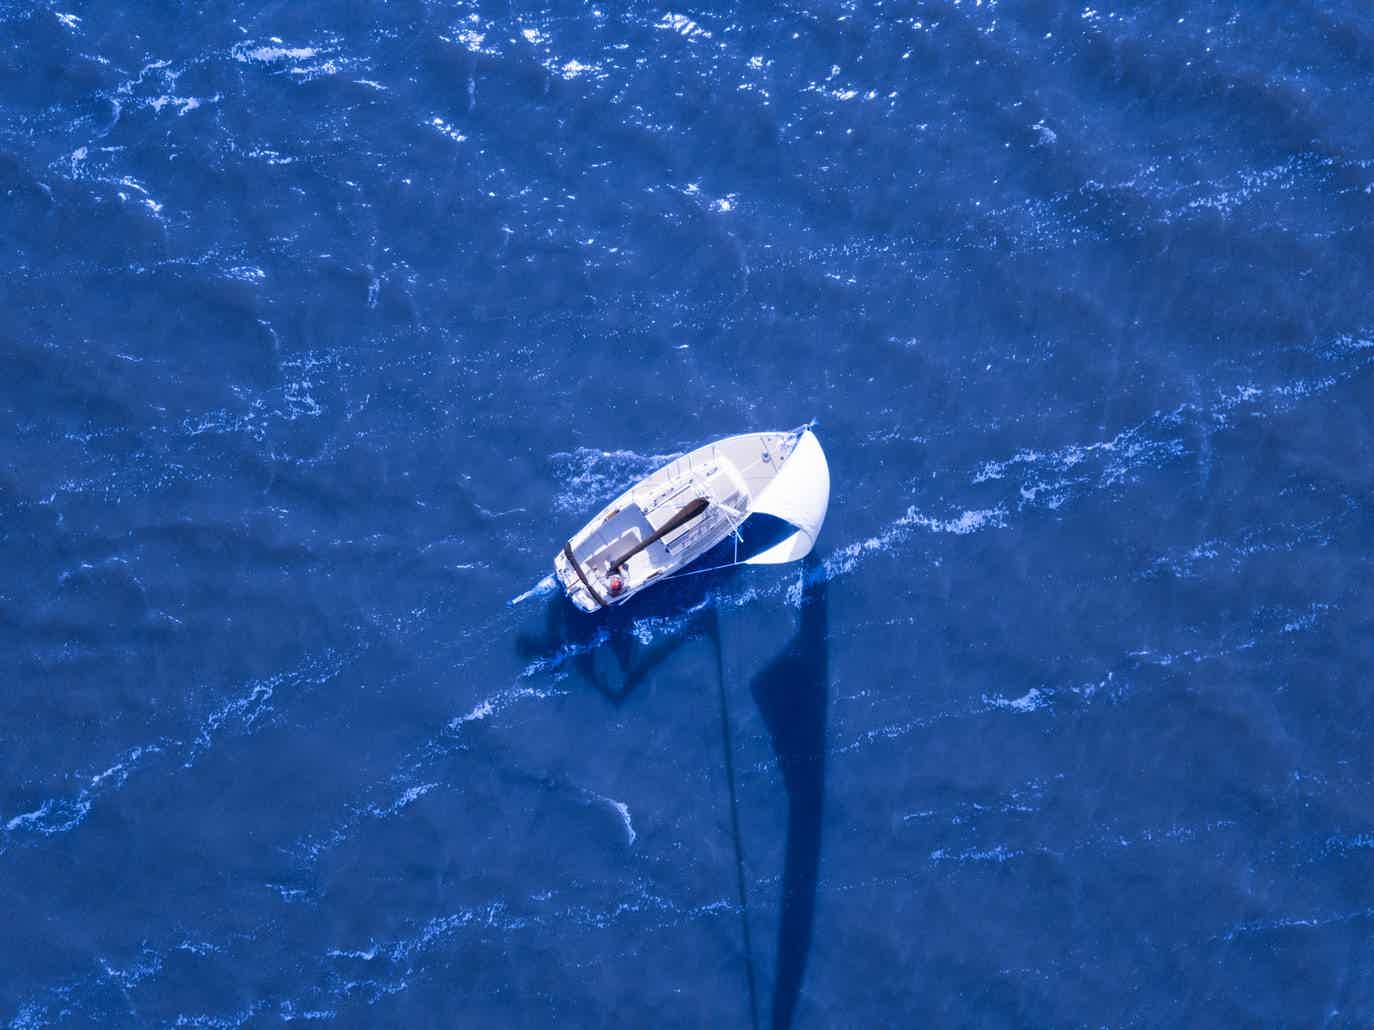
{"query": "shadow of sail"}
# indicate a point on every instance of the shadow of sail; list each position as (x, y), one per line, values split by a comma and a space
(791, 693)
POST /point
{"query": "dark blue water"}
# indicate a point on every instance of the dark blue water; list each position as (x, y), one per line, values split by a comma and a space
(322, 327)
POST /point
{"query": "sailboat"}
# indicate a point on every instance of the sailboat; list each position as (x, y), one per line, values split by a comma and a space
(665, 522)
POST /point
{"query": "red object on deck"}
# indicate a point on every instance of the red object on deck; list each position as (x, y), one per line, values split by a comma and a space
(617, 584)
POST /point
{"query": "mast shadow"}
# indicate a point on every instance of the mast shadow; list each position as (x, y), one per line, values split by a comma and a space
(792, 695)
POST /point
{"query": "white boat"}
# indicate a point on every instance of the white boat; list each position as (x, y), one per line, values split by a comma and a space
(665, 522)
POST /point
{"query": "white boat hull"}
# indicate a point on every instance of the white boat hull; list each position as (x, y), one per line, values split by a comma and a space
(669, 519)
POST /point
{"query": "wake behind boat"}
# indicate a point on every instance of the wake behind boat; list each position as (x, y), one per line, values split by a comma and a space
(668, 520)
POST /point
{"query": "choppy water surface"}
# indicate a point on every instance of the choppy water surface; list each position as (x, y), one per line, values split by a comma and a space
(323, 327)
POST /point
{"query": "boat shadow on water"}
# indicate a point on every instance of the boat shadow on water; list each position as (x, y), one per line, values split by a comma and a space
(608, 650)
(791, 693)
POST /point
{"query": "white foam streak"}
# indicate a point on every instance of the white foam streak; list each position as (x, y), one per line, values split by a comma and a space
(845, 559)
(58, 815)
(1297, 923)
(499, 702)
(1000, 853)
(1044, 698)
(1031, 701)
(544, 586)
(683, 26)
(497, 916)
(273, 54)
(621, 809)
(247, 709)
(564, 653)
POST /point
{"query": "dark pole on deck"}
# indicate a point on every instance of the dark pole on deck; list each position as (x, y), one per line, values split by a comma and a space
(685, 514)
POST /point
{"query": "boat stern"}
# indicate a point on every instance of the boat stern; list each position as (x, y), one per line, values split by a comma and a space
(577, 588)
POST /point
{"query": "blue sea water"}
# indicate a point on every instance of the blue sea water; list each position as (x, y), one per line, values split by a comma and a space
(323, 325)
